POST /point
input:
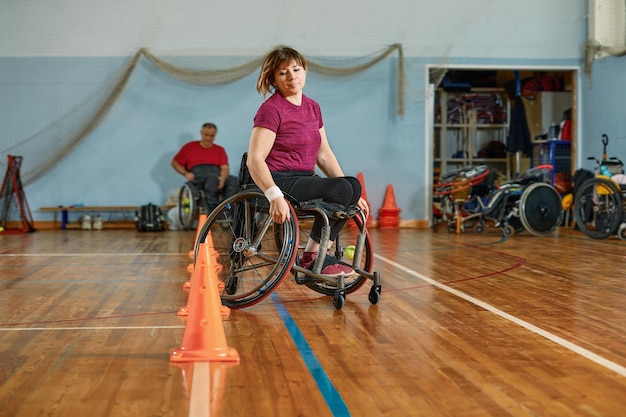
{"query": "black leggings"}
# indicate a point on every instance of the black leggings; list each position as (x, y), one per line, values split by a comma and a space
(305, 187)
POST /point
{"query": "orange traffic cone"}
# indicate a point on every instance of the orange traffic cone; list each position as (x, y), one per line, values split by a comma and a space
(190, 268)
(205, 385)
(201, 219)
(204, 339)
(389, 213)
(210, 263)
(189, 284)
(217, 268)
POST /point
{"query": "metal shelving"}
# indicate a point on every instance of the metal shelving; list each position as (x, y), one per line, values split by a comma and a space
(465, 122)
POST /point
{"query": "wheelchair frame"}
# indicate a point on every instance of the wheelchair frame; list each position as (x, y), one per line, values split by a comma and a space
(255, 255)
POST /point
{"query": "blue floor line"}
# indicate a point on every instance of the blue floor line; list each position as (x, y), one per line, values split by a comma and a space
(336, 404)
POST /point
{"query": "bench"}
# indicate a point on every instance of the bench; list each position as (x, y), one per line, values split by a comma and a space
(64, 210)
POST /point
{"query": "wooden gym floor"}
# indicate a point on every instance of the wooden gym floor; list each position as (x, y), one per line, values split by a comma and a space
(467, 325)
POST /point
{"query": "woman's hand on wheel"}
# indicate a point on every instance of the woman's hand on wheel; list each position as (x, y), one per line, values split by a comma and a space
(279, 210)
(362, 204)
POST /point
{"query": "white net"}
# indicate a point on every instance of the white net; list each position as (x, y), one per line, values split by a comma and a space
(45, 149)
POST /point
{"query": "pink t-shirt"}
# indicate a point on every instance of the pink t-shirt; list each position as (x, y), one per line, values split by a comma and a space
(297, 131)
(192, 154)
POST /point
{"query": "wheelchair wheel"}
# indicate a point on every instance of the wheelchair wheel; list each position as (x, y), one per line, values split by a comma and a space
(188, 206)
(540, 209)
(598, 208)
(347, 237)
(251, 264)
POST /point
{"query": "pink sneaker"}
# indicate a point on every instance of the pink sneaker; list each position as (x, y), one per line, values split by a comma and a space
(332, 267)
(334, 270)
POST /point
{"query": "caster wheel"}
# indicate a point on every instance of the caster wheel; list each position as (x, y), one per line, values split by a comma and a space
(479, 229)
(374, 295)
(508, 231)
(622, 231)
(339, 299)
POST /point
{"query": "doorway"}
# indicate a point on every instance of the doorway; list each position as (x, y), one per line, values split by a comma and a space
(473, 118)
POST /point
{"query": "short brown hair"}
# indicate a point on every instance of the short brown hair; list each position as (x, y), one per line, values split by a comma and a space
(272, 61)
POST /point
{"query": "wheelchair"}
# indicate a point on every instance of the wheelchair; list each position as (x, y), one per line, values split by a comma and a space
(528, 202)
(193, 201)
(461, 195)
(255, 255)
(600, 202)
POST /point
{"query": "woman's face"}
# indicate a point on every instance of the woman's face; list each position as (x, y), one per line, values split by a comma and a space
(289, 78)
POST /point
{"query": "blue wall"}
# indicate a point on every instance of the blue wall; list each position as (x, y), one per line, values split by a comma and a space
(126, 160)
(48, 67)
(604, 95)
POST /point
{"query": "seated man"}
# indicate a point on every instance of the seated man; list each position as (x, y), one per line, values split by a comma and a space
(205, 165)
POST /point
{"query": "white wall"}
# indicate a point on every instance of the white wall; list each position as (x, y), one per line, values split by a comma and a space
(462, 28)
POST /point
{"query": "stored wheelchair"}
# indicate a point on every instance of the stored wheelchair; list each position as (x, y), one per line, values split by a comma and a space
(528, 202)
(193, 200)
(469, 196)
(256, 255)
(191, 203)
(600, 202)
(461, 195)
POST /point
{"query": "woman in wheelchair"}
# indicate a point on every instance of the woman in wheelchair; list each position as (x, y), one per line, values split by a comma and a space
(288, 140)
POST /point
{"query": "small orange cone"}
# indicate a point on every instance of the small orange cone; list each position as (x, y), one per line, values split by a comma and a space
(204, 339)
(211, 263)
(217, 268)
(201, 219)
(190, 268)
(187, 284)
(205, 385)
(389, 213)
(184, 311)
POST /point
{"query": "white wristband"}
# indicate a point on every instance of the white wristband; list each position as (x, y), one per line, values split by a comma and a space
(273, 193)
